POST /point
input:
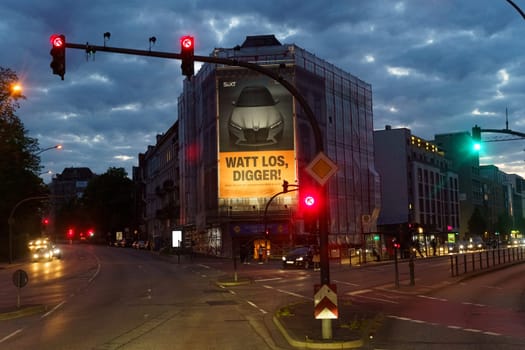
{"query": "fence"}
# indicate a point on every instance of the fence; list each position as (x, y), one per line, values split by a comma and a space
(487, 259)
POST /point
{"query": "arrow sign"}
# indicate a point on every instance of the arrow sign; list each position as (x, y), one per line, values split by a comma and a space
(325, 301)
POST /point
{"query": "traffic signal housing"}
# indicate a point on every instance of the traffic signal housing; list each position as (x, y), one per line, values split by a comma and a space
(476, 138)
(187, 47)
(58, 52)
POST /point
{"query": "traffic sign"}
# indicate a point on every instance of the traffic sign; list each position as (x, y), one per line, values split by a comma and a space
(20, 278)
(321, 168)
(325, 301)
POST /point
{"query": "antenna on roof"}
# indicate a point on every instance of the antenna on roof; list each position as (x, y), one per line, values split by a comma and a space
(506, 119)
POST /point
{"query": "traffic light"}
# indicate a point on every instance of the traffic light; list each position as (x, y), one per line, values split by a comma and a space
(70, 233)
(310, 199)
(58, 52)
(186, 51)
(45, 221)
(476, 138)
(285, 186)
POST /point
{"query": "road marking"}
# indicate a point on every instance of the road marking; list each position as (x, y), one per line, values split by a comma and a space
(346, 283)
(53, 310)
(361, 291)
(287, 292)
(10, 335)
(431, 298)
(473, 304)
(255, 306)
(269, 279)
(472, 330)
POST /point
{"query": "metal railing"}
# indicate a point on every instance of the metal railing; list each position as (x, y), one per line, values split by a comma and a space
(483, 260)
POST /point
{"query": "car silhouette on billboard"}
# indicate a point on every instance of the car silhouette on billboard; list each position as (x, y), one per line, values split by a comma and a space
(255, 120)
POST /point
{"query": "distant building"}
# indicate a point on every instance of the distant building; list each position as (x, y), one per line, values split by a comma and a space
(419, 191)
(64, 188)
(464, 160)
(158, 178)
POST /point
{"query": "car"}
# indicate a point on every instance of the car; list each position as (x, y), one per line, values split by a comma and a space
(300, 257)
(42, 254)
(56, 252)
(254, 120)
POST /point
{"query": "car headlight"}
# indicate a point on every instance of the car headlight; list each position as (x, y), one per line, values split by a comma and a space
(284, 258)
(235, 126)
(299, 258)
(276, 124)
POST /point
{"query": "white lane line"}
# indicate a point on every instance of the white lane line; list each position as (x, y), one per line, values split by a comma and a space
(430, 298)
(472, 330)
(361, 291)
(473, 304)
(287, 292)
(53, 310)
(255, 306)
(10, 335)
(346, 283)
(269, 279)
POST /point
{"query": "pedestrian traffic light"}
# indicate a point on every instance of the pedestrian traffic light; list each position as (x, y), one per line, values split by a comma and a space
(186, 51)
(58, 52)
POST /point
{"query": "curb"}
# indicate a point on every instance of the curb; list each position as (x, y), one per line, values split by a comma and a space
(312, 344)
(22, 311)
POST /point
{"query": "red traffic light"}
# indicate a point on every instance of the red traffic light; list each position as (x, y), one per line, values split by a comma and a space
(70, 233)
(309, 200)
(45, 221)
(186, 42)
(57, 41)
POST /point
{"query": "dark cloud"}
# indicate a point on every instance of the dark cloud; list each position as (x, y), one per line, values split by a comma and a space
(435, 66)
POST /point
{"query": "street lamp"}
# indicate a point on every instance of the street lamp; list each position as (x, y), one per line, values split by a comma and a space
(49, 172)
(47, 149)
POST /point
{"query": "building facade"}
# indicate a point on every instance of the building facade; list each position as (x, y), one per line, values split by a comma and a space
(420, 193)
(242, 135)
(157, 179)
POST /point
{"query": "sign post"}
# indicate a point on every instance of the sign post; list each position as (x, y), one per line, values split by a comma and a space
(20, 279)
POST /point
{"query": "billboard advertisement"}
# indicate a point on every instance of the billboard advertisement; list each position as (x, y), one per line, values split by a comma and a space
(256, 135)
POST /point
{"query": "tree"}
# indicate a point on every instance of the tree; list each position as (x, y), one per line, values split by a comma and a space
(19, 166)
(477, 224)
(109, 201)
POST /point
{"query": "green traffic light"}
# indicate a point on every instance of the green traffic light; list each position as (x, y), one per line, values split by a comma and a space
(477, 146)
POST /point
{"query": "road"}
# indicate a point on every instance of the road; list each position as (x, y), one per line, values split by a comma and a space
(119, 298)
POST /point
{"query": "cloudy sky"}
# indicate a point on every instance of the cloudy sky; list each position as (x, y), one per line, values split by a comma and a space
(435, 66)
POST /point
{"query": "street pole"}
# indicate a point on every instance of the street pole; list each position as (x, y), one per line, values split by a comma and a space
(11, 222)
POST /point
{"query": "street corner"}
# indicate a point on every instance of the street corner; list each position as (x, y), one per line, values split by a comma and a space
(351, 330)
(8, 313)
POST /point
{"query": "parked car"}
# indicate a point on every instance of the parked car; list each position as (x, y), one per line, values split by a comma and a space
(301, 257)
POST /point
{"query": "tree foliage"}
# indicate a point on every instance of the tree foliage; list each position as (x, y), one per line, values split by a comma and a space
(19, 164)
(477, 225)
(109, 200)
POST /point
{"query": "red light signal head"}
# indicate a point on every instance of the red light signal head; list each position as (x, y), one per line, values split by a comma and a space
(186, 42)
(45, 221)
(309, 200)
(57, 41)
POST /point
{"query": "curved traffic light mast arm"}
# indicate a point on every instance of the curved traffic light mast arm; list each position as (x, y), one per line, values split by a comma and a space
(323, 227)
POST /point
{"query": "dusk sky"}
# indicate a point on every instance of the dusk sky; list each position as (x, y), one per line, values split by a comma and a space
(435, 66)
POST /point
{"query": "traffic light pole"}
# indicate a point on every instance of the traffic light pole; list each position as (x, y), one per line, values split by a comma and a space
(323, 223)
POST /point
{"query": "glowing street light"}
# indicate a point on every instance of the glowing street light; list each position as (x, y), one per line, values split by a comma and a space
(47, 149)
